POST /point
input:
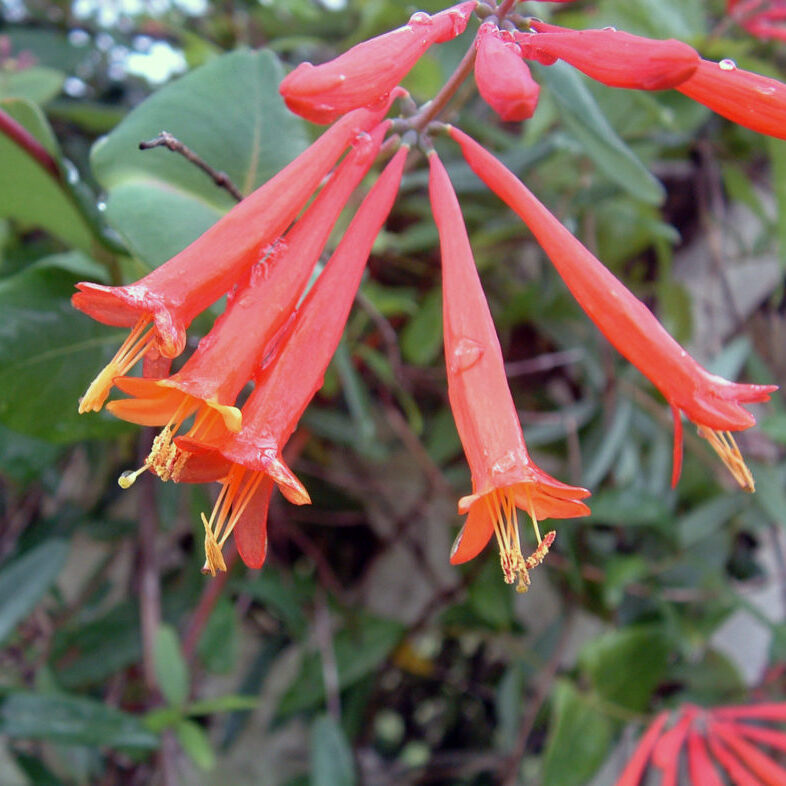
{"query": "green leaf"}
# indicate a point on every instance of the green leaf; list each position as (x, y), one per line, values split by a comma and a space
(170, 666)
(49, 352)
(626, 666)
(24, 458)
(219, 643)
(28, 193)
(579, 737)
(585, 121)
(229, 113)
(770, 495)
(331, 756)
(421, 339)
(196, 744)
(359, 649)
(777, 149)
(24, 582)
(38, 84)
(71, 720)
(629, 507)
(706, 519)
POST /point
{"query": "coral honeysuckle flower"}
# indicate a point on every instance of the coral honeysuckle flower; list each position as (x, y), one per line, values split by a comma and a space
(503, 78)
(159, 307)
(714, 404)
(250, 461)
(612, 57)
(748, 99)
(364, 75)
(504, 477)
(227, 358)
(713, 747)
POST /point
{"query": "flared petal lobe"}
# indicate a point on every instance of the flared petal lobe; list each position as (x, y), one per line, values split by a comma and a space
(748, 99)
(504, 477)
(367, 73)
(504, 80)
(710, 401)
(613, 57)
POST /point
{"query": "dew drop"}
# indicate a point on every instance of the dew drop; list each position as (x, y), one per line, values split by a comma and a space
(420, 18)
(504, 464)
(727, 65)
(465, 355)
(766, 90)
(610, 29)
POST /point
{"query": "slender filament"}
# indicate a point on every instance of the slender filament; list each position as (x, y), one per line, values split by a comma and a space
(237, 489)
(723, 444)
(133, 349)
(502, 509)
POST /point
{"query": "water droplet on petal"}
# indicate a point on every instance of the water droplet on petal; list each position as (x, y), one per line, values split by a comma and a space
(610, 29)
(504, 464)
(465, 355)
(765, 90)
(727, 65)
(420, 18)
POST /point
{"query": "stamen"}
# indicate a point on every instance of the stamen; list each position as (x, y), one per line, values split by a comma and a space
(164, 455)
(237, 489)
(722, 442)
(139, 341)
(128, 478)
(502, 509)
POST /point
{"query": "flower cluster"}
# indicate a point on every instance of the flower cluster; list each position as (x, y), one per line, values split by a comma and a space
(715, 744)
(765, 19)
(262, 259)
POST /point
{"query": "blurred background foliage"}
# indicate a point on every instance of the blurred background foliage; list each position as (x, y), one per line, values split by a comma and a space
(358, 655)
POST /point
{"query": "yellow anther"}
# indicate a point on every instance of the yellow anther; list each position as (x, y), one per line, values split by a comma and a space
(723, 444)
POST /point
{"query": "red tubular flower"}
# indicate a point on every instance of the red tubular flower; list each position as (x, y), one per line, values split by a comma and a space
(160, 306)
(285, 386)
(714, 404)
(751, 100)
(229, 355)
(614, 58)
(365, 75)
(711, 744)
(761, 18)
(503, 78)
(504, 477)
(700, 766)
(634, 770)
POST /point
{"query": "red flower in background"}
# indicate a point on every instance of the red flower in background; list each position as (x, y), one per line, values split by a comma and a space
(230, 355)
(765, 19)
(367, 73)
(159, 307)
(504, 478)
(503, 78)
(250, 461)
(714, 404)
(715, 744)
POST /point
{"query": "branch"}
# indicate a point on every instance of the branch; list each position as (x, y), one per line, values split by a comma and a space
(221, 179)
(18, 134)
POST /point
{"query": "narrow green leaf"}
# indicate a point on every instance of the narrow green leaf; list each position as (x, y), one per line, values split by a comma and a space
(331, 756)
(170, 666)
(196, 744)
(24, 582)
(585, 121)
(71, 720)
(579, 738)
(421, 339)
